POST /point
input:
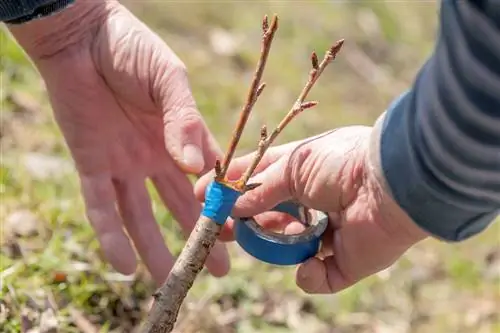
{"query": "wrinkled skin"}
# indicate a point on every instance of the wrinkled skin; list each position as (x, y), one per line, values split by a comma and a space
(368, 232)
(122, 100)
(123, 103)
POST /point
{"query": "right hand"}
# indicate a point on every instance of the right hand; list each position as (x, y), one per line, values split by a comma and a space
(330, 172)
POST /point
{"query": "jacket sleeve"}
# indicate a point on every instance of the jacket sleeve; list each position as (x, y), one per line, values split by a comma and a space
(439, 143)
(21, 11)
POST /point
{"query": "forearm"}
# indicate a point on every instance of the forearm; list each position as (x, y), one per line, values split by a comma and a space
(437, 148)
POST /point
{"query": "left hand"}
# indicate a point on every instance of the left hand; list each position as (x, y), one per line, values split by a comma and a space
(122, 100)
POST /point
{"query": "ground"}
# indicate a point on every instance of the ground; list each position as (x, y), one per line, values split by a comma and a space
(51, 270)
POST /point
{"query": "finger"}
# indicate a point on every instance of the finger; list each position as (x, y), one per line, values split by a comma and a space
(313, 275)
(274, 221)
(187, 137)
(294, 228)
(137, 214)
(99, 195)
(327, 239)
(175, 190)
(189, 142)
(360, 249)
(274, 190)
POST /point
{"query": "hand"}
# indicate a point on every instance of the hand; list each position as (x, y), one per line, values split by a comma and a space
(330, 172)
(122, 100)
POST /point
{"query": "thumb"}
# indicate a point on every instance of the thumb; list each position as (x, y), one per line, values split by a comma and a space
(274, 189)
(360, 249)
(189, 142)
(187, 138)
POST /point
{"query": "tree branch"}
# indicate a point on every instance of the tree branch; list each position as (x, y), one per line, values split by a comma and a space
(170, 296)
(254, 92)
(299, 106)
(168, 299)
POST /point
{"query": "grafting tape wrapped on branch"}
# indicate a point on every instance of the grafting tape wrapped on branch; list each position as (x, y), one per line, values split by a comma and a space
(222, 193)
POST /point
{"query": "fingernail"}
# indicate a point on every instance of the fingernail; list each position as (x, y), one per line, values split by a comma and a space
(193, 158)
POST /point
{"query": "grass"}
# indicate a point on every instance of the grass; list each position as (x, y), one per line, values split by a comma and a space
(435, 287)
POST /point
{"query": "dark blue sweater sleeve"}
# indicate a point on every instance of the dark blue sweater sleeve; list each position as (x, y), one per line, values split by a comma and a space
(20, 11)
(440, 141)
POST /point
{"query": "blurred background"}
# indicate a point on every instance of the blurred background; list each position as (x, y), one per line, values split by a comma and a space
(51, 272)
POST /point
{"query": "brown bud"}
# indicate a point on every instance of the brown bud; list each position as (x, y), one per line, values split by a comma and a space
(260, 89)
(336, 48)
(314, 60)
(274, 23)
(265, 24)
(308, 105)
(218, 167)
(263, 132)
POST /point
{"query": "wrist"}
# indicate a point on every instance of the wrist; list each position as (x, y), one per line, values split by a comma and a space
(388, 214)
(46, 36)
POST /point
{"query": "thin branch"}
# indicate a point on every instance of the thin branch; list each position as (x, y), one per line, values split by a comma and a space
(299, 106)
(170, 296)
(253, 93)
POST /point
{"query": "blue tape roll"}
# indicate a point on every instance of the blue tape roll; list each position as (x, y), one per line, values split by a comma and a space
(280, 249)
(219, 202)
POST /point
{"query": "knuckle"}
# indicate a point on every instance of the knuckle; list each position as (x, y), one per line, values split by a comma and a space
(296, 172)
(178, 70)
(188, 119)
(171, 89)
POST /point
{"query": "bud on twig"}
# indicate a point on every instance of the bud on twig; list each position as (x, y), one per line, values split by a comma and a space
(265, 24)
(308, 105)
(332, 53)
(168, 299)
(217, 168)
(263, 132)
(260, 89)
(314, 60)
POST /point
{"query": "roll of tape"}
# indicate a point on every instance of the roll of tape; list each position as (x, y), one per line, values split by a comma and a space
(280, 249)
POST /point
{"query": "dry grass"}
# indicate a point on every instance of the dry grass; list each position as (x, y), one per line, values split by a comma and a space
(56, 263)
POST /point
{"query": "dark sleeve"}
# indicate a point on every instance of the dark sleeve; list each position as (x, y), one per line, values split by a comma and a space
(440, 141)
(21, 11)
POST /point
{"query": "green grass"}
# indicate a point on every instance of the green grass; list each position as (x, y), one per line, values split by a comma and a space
(436, 287)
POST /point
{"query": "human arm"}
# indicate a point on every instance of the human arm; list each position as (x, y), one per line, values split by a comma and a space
(438, 145)
(122, 100)
(352, 173)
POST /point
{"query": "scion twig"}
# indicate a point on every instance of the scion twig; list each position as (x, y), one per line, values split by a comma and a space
(254, 92)
(299, 106)
(169, 297)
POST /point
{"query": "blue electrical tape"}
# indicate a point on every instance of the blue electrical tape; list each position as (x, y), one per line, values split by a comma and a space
(219, 202)
(280, 249)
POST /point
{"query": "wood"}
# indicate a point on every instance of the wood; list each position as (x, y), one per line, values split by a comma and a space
(254, 92)
(169, 297)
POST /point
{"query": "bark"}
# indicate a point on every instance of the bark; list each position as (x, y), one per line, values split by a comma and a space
(170, 296)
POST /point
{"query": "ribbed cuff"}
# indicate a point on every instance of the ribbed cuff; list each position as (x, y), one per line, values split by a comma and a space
(22, 11)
